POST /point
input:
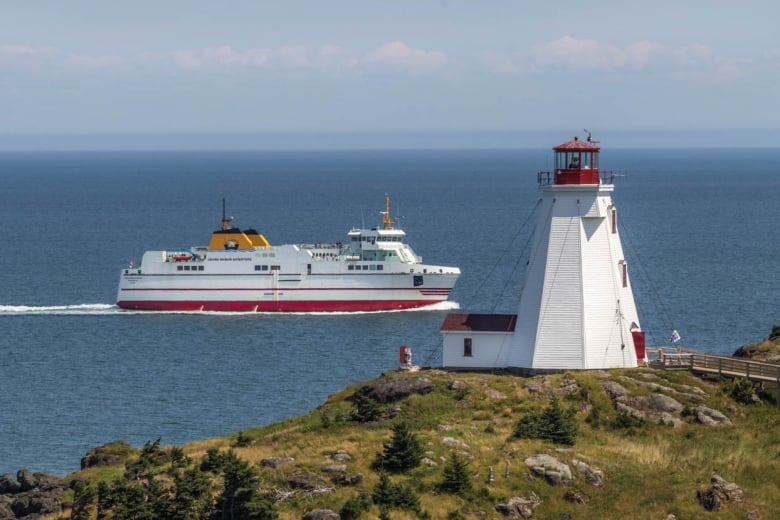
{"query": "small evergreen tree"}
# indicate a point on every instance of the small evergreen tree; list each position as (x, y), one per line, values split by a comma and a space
(83, 498)
(241, 498)
(366, 409)
(192, 498)
(388, 495)
(403, 453)
(559, 424)
(355, 506)
(456, 476)
(555, 424)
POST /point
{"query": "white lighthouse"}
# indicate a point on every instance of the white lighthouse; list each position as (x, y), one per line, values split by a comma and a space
(577, 310)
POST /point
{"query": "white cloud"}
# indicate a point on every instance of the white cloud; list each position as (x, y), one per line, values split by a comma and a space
(42, 59)
(26, 57)
(82, 61)
(289, 56)
(572, 53)
(399, 55)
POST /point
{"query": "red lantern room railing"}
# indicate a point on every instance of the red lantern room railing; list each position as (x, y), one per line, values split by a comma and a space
(576, 162)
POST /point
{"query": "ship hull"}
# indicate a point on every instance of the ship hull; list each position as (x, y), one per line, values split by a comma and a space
(284, 293)
(264, 306)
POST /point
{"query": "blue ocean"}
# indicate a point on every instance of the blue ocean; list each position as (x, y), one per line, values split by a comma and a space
(700, 231)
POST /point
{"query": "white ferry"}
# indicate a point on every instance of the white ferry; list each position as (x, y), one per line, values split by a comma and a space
(241, 271)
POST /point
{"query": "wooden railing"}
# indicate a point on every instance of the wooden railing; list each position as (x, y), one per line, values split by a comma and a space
(724, 366)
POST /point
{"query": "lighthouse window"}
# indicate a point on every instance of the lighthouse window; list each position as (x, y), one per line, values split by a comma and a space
(467, 347)
(614, 219)
(624, 272)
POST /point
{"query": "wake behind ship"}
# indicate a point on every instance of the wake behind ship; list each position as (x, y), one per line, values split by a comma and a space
(241, 271)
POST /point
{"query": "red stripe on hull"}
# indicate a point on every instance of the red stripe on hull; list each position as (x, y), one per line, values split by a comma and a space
(292, 306)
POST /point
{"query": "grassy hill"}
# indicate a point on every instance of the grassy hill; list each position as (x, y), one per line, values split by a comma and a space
(651, 467)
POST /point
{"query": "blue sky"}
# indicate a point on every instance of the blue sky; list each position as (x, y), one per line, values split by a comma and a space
(404, 71)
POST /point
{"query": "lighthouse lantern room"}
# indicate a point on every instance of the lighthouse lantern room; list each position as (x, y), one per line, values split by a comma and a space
(577, 309)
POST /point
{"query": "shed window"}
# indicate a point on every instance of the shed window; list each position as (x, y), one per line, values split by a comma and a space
(466, 347)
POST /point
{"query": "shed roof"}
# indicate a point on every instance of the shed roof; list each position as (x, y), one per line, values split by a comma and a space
(480, 322)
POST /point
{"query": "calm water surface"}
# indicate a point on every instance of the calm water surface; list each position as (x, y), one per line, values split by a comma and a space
(700, 232)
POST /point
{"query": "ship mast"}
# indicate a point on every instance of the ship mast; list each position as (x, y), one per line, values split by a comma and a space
(387, 222)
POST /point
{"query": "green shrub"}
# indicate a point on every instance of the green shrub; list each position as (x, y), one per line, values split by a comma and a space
(554, 423)
(743, 391)
(366, 409)
(403, 453)
(456, 476)
(389, 495)
(355, 506)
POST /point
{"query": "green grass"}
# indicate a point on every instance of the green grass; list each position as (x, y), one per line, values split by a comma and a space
(650, 472)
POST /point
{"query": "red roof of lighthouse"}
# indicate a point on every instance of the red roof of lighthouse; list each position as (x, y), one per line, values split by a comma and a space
(575, 145)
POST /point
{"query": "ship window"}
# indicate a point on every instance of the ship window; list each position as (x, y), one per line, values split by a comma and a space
(186, 268)
(200, 268)
(350, 267)
(275, 268)
(365, 267)
(467, 347)
(179, 268)
(372, 267)
(380, 267)
(257, 268)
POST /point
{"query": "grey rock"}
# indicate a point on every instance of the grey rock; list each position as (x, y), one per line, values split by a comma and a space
(554, 471)
(710, 416)
(594, 477)
(341, 456)
(321, 514)
(9, 485)
(306, 480)
(519, 507)
(719, 494)
(454, 443)
(385, 391)
(105, 455)
(275, 462)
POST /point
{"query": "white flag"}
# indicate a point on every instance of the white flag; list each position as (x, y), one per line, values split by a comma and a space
(675, 336)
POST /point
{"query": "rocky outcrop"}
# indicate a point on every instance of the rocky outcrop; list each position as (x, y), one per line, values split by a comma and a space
(719, 494)
(553, 470)
(658, 407)
(593, 476)
(276, 462)
(109, 454)
(710, 417)
(31, 495)
(321, 514)
(384, 390)
(519, 507)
